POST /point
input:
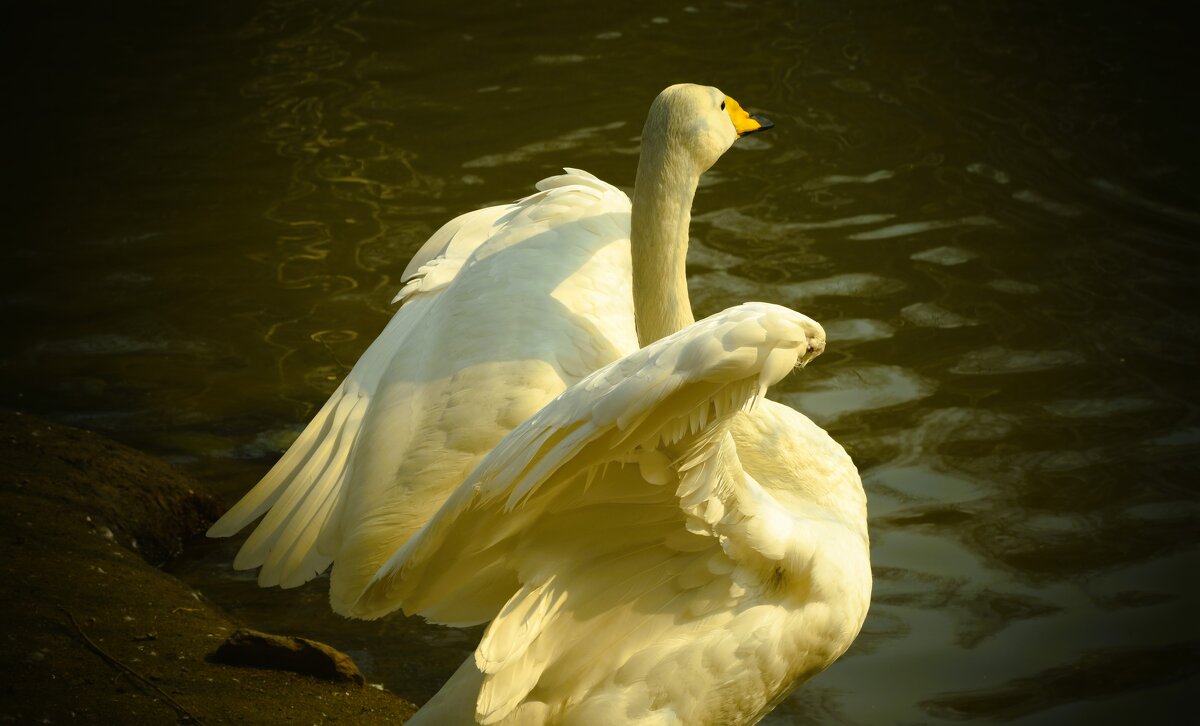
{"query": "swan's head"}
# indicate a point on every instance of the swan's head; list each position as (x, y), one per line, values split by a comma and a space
(698, 120)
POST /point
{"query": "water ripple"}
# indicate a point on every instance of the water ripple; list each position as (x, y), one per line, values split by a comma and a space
(998, 359)
(852, 390)
(910, 228)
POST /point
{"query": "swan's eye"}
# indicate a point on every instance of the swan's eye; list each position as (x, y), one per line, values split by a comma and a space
(722, 105)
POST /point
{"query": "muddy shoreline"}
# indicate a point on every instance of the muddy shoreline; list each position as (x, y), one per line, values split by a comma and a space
(96, 632)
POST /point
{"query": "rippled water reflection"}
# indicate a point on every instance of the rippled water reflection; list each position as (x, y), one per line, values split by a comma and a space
(992, 210)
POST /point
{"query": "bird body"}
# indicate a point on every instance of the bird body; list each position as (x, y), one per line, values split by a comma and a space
(632, 567)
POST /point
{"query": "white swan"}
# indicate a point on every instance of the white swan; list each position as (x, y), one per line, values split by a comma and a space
(646, 552)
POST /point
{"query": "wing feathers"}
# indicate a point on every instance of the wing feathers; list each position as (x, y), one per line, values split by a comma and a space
(320, 468)
(637, 390)
(581, 483)
(519, 622)
(269, 489)
(305, 495)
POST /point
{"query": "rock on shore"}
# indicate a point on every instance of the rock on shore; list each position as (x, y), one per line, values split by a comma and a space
(84, 523)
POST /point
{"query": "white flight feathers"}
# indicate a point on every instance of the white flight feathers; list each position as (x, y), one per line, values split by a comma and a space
(617, 544)
(449, 376)
(665, 408)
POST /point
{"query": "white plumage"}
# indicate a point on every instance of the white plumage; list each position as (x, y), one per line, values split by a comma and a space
(502, 309)
(701, 594)
(658, 544)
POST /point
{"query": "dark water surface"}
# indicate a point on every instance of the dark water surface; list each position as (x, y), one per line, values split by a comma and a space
(993, 210)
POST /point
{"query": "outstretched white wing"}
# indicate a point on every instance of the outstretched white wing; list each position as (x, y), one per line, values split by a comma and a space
(503, 308)
(615, 538)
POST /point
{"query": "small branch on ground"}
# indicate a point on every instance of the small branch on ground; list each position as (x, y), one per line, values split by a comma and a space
(91, 644)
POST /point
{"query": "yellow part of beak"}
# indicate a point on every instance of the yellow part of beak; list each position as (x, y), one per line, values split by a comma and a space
(743, 122)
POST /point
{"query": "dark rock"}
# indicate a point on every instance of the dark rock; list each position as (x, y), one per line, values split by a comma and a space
(95, 611)
(122, 494)
(288, 653)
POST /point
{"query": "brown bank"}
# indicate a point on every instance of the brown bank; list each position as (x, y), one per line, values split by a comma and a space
(94, 632)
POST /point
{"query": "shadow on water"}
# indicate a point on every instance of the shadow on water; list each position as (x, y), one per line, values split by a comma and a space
(991, 208)
(1096, 675)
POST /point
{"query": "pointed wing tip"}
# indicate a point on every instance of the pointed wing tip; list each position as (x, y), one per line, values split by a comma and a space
(226, 526)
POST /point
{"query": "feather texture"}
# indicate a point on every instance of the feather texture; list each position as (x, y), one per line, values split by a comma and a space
(621, 582)
(450, 375)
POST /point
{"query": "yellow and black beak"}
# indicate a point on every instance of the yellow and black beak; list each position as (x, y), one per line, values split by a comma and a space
(743, 122)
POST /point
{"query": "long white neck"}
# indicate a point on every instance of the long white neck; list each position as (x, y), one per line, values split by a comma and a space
(662, 211)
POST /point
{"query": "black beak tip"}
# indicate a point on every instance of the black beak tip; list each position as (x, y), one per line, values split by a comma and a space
(764, 123)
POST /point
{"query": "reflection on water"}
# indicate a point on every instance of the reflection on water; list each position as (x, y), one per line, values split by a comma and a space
(990, 207)
(1094, 676)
